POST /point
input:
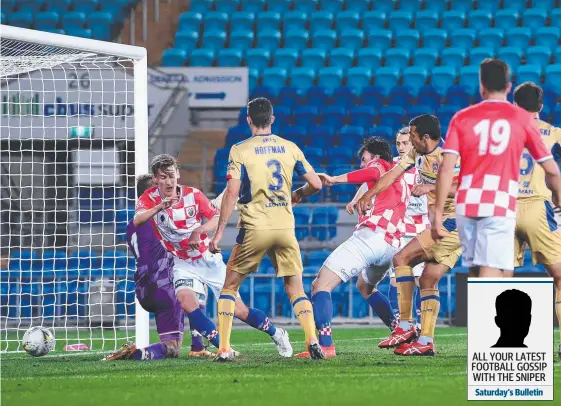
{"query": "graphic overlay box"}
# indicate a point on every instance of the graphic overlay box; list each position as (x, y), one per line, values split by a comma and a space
(510, 339)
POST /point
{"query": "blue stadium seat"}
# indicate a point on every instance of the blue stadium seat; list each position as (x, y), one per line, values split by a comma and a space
(316, 258)
(453, 57)
(397, 58)
(373, 20)
(491, 37)
(286, 58)
(400, 20)
(351, 38)
(369, 58)
(341, 58)
(83, 259)
(545, 4)
(324, 39)
(62, 6)
(174, 57)
(202, 57)
(254, 6)
(426, 20)
(333, 116)
(548, 36)
(489, 5)
(307, 6)
(332, 6)
(529, 73)
(381, 39)
(100, 22)
(320, 135)
(478, 54)
(343, 193)
(556, 116)
(3, 17)
(463, 38)
(415, 77)
(445, 113)
(556, 17)
(359, 5)
(186, 40)
(314, 156)
(538, 55)
(344, 96)
(22, 260)
(479, 19)
(458, 96)
(373, 96)
(294, 20)
(280, 6)
(438, 6)
(418, 110)
(392, 116)
(269, 39)
(382, 131)
(258, 58)
(243, 20)
(284, 114)
(330, 78)
(549, 97)
(518, 37)
(216, 21)
(321, 20)
(227, 6)
(401, 96)
(534, 18)
(21, 19)
(31, 6)
(79, 32)
(425, 58)
(408, 39)
(297, 39)
(302, 216)
(229, 58)
(190, 21)
(387, 78)
(453, 20)
(463, 5)
(241, 40)
(324, 220)
(358, 78)
(54, 260)
(553, 77)
(46, 20)
(558, 55)
(296, 133)
(306, 115)
(117, 8)
(201, 6)
(314, 58)
(410, 5)
(506, 19)
(114, 259)
(347, 20)
(221, 155)
(442, 78)
(339, 156)
(275, 78)
(362, 116)
(469, 78)
(512, 56)
(429, 96)
(435, 39)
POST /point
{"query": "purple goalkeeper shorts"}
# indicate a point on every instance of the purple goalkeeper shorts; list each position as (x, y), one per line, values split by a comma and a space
(161, 301)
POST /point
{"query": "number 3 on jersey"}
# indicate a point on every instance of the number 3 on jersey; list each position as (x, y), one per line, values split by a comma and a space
(499, 132)
(277, 175)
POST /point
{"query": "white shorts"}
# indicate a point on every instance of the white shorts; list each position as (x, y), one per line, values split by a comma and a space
(365, 251)
(417, 269)
(487, 241)
(210, 270)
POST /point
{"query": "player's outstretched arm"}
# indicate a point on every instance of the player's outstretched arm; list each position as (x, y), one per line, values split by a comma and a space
(384, 182)
(142, 216)
(312, 186)
(226, 209)
(444, 182)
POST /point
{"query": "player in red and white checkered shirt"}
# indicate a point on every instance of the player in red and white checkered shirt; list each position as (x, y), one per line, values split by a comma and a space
(490, 138)
(369, 251)
(176, 213)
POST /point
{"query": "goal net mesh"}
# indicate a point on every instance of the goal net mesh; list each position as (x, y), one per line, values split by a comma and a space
(67, 171)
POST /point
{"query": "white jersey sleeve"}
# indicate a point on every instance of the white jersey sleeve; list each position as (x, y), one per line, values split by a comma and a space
(217, 201)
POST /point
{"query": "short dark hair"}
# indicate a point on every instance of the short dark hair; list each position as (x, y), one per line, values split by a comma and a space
(494, 74)
(143, 183)
(162, 162)
(427, 124)
(529, 96)
(260, 111)
(377, 146)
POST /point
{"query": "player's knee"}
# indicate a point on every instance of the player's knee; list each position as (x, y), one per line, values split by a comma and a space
(428, 281)
(400, 259)
(364, 288)
(315, 286)
(188, 300)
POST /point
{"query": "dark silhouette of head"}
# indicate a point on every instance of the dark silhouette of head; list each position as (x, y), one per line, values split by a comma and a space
(514, 316)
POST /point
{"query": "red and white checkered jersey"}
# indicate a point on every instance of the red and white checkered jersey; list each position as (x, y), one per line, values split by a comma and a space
(388, 208)
(490, 138)
(174, 226)
(417, 214)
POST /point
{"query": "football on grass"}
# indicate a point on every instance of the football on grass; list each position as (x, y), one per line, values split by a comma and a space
(38, 341)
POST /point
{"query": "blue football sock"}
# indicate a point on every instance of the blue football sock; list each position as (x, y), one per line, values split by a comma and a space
(418, 304)
(200, 322)
(323, 311)
(392, 295)
(257, 319)
(381, 306)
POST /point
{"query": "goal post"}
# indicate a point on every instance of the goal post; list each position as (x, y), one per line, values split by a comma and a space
(73, 135)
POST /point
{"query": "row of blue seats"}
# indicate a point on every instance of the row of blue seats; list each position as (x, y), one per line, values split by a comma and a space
(62, 6)
(369, 58)
(281, 6)
(49, 20)
(411, 39)
(394, 21)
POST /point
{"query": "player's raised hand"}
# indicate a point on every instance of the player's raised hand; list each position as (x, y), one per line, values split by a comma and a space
(194, 240)
(326, 180)
(420, 190)
(167, 202)
(351, 207)
(364, 204)
(214, 246)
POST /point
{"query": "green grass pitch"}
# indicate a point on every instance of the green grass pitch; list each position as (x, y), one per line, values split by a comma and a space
(361, 374)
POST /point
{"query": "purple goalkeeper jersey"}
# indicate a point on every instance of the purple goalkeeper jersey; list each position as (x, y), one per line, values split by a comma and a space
(153, 263)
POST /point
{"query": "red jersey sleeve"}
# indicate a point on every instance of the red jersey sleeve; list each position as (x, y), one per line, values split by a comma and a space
(206, 209)
(369, 174)
(534, 142)
(145, 202)
(452, 143)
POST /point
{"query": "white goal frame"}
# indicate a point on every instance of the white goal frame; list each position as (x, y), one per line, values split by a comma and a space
(138, 55)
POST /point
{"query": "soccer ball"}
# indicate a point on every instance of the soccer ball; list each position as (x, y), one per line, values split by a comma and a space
(38, 341)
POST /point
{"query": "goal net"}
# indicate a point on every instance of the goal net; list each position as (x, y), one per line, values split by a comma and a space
(73, 135)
